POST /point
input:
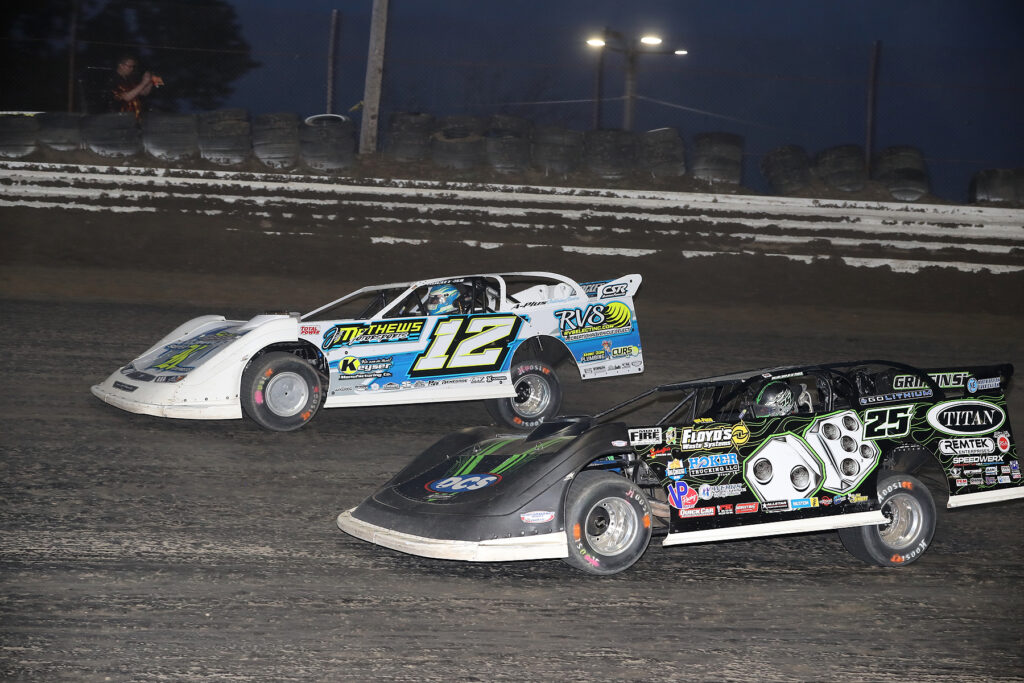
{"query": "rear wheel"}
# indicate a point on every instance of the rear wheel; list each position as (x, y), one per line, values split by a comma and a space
(538, 396)
(910, 510)
(607, 523)
(280, 391)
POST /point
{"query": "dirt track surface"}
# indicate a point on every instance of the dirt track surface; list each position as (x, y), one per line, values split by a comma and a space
(135, 548)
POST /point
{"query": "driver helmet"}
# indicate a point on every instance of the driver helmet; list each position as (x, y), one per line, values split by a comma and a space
(774, 399)
(442, 299)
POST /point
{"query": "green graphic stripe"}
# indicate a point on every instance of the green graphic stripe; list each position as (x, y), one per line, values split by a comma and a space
(472, 462)
(519, 457)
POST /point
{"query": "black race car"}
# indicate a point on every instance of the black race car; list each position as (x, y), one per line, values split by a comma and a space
(759, 453)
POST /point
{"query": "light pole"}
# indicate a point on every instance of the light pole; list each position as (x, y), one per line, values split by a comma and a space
(631, 49)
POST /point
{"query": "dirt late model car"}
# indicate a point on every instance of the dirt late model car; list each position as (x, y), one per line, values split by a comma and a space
(760, 453)
(493, 337)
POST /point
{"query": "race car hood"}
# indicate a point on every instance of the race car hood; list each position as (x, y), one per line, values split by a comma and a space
(196, 343)
(498, 486)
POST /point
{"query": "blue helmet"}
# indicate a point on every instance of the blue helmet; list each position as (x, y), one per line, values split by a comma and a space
(442, 299)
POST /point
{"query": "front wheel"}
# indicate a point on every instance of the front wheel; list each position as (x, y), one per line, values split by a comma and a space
(538, 396)
(280, 391)
(607, 523)
(910, 510)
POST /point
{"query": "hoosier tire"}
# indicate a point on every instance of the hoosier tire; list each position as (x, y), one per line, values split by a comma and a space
(909, 506)
(280, 391)
(607, 523)
(538, 396)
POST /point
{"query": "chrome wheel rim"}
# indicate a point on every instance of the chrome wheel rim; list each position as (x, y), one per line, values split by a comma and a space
(533, 395)
(905, 521)
(611, 526)
(286, 394)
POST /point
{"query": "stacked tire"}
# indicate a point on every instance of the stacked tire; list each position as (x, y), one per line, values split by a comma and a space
(225, 137)
(59, 131)
(113, 136)
(609, 154)
(903, 171)
(275, 140)
(458, 143)
(171, 137)
(408, 137)
(507, 143)
(18, 135)
(787, 169)
(556, 150)
(327, 143)
(1003, 186)
(842, 167)
(718, 158)
(661, 153)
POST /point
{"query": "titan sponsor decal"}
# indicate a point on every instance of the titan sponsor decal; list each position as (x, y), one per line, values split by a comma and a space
(896, 396)
(596, 320)
(391, 331)
(966, 417)
(707, 438)
(121, 386)
(462, 483)
(967, 446)
(646, 436)
(946, 380)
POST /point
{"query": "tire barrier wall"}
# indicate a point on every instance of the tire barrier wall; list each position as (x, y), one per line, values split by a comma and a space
(502, 144)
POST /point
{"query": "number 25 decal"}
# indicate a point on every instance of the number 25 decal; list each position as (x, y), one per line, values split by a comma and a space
(886, 423)
(467, 344)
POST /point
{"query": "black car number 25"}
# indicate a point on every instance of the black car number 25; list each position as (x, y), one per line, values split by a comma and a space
(886, 423)
(467, 344)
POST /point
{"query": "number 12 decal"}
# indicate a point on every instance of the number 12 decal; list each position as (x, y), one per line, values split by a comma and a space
(460, 344)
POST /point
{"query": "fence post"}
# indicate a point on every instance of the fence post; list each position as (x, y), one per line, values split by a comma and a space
(374, 76)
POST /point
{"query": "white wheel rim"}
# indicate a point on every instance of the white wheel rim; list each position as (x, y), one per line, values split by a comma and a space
(611, 526)
(286, 394)
(533, 396)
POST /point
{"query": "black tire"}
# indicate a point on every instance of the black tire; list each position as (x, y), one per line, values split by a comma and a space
(538, 396)
(280, 391)
(607, 523)
(911, 510)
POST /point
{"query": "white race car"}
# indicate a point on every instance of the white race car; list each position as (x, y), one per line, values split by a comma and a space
(494, 337)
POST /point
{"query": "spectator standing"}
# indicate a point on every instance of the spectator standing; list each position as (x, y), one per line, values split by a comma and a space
(127, 87)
